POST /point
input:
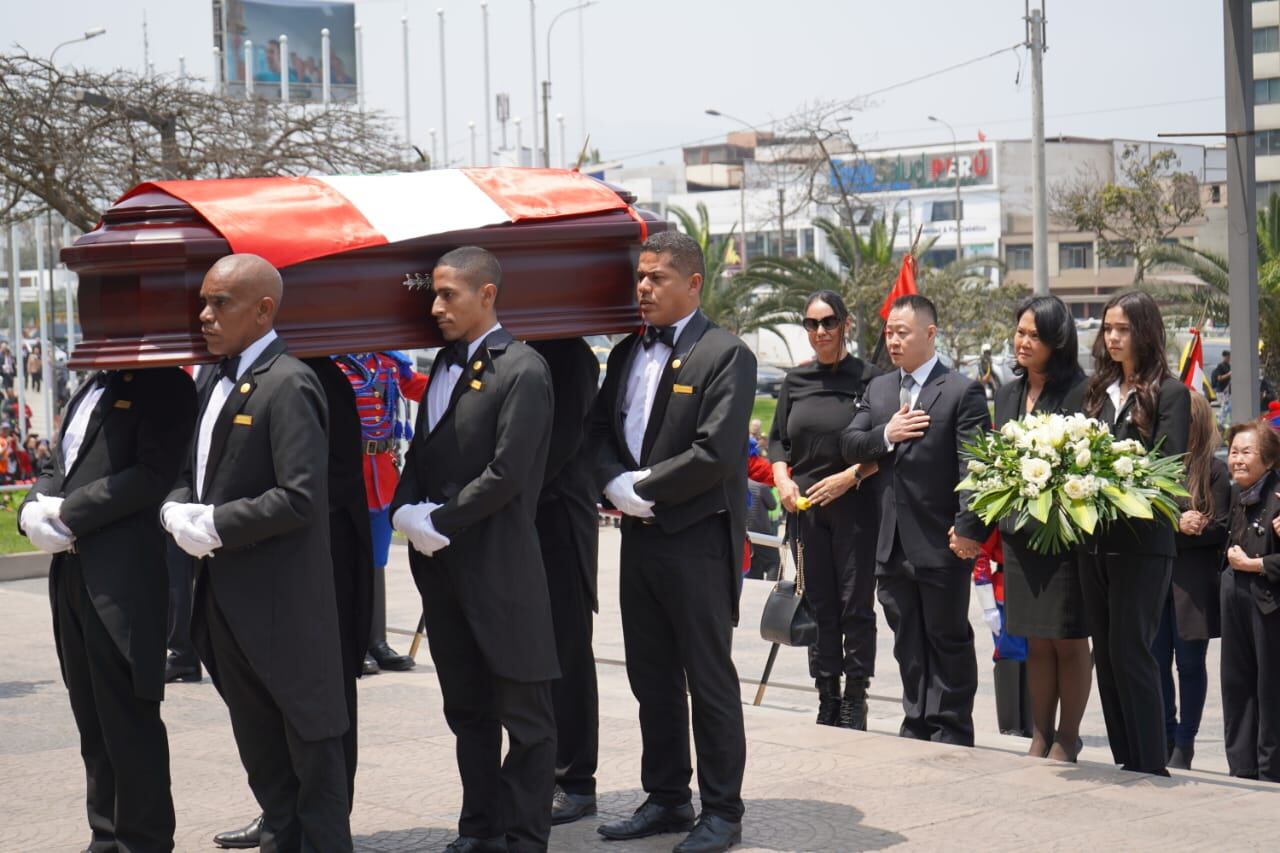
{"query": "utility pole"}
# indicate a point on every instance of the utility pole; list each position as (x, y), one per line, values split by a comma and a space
(782, 220)
(284, 69)
(408, 125)
(533, 68)
(359, 67)
(248, 69)
(325, 73)
(444, 107)
(1039, 190)
(1242, 242)
(488, 120)
(15, 301)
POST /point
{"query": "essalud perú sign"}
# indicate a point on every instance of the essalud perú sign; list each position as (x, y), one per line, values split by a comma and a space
(903, 172)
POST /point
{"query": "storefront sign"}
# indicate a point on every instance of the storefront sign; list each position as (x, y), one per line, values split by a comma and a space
(914, 172)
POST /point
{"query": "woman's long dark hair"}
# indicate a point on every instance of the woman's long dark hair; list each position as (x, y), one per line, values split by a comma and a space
(1147, 341)
(1057, 330)
(1203, 441)
(835, 302)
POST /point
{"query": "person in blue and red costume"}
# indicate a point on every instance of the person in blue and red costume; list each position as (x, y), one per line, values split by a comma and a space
(380, 381)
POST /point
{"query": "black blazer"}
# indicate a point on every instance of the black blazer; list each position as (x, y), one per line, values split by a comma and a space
(484, 463)
(695, 445)
(1259, 540)
(915, 486)
(134, 446)
(350, 539)
(267, 479)
(1171, 427)
(1196, 601)
(568, 485)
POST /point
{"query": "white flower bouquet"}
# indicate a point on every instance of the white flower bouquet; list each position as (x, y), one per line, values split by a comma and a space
(1067, 473)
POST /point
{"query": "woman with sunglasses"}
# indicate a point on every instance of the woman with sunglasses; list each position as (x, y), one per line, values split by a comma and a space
(1126, 573)
(817, 401)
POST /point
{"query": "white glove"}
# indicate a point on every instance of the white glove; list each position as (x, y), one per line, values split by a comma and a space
(621, 492)
(39, 520)
(992, 618)
(414, 521)
(191, 526)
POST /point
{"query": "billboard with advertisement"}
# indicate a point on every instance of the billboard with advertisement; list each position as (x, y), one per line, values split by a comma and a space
(264, 21)
(916, 171)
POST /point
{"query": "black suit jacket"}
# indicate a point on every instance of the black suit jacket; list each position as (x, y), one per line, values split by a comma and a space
(1170, 429)
(267, 478)
(134, 446)
(695, 445)
(484, 463)
(915, 485)
(568, 483)
(1259, 540)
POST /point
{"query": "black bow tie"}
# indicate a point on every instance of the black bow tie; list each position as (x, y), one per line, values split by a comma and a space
(455, 354)
(665, 334)
(227, 368)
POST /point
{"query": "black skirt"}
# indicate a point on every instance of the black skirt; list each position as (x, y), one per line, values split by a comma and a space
(1196, 606)
(1042, 595)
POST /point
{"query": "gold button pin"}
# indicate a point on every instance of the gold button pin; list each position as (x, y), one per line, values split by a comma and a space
(244, 389)
(128, 377)
(676, 364)
(479, 365)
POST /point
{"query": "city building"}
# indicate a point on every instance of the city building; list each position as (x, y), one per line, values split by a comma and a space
(1266, 97)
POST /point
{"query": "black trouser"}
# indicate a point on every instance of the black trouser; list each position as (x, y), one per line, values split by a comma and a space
(500, 796)
(574, 695)
(840, 583)
(343, 542)
(1250, 681)
(928, 610)
(300, 785)
(677, 625)
(122, 738)
(181, 574)
(1124, 598)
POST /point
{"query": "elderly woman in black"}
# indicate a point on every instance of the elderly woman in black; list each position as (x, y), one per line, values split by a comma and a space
(1042, 592)
(1125, 579)
(815, 403)
(1250, 601)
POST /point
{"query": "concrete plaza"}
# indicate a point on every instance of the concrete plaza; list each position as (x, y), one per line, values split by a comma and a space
(807, 787)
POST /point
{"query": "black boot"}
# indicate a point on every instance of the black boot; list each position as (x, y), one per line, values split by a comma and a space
(853, 710)
(828, 699)
(1180, 758)
(387, 658)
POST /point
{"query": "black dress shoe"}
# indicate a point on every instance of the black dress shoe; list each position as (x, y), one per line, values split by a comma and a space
(370, 666)
(566, 807)
(189, 673)
(389, 659)
(712, 835)
(463, 844)
(650, 819)
(241, 839)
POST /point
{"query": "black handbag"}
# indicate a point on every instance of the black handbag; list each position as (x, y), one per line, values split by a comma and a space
(788, 618)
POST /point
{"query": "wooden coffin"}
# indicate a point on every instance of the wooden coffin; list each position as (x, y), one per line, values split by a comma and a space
(140, 272)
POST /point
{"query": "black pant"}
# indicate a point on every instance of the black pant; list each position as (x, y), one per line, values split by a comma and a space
(840, 583)
(343, 542)
(181, 574)
(1250, 681)
(122, 738)
(301, 785)
(1124, 598)
(574, 695)
(500, 797)
(677, 626)
(928, 610)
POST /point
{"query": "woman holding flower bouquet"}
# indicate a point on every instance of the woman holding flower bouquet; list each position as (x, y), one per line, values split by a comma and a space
(1043, 601)
(1125, 579)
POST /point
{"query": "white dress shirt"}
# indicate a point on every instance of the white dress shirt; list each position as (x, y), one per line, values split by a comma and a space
(221, 391)
(73, 436)
(642, 387)
(920, 375)
(440, 391)
(1118, 401)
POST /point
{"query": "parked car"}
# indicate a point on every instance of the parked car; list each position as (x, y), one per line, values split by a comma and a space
(769, 380)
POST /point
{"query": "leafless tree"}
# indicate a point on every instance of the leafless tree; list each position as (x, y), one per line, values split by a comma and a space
(72, 141)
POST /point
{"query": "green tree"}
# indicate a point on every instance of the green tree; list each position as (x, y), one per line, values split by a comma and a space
(972, 309)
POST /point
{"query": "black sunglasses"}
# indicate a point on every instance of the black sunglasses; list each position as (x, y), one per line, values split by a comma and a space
(830, 323)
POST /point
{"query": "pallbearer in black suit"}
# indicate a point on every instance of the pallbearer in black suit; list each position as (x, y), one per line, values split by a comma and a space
(670, 425)
(466, 501)
(914, 421)
(1042, 598)
(567, 533)
(253, 509)
(94, 507)
(1125, 574)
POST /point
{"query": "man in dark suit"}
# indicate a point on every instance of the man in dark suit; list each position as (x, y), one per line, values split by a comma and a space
(913, 422)
(568, 531)
(94, 507)
(350, 548)
(253, 509)
(670, 425)
(466, 501)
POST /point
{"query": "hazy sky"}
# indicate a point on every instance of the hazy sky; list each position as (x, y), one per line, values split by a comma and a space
(1126, 68)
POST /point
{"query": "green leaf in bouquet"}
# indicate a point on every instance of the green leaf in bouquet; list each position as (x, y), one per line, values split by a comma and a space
(1129, 503)
(1039, 506)
(1084, 514)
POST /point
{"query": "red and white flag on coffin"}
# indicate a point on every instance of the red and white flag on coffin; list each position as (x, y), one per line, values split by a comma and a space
(291, 220)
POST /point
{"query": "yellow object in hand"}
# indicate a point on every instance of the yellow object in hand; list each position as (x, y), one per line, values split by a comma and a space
(803, 503)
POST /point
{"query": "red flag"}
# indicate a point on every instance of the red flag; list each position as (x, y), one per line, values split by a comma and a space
(904, 286)
(982, 137)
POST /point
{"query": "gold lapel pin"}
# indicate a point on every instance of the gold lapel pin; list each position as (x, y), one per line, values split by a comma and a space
(244, 389)
(675, 365)
(476, 384)
(128, 377)
(478, 366)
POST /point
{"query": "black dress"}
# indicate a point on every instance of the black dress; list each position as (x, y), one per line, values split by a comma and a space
(1196, 606)
(1042, 595)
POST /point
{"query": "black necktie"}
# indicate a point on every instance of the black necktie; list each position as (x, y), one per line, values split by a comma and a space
(455, 354)
(665, 334)
(227, 368)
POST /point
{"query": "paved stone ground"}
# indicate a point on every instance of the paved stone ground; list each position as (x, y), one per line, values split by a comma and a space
(807, 788)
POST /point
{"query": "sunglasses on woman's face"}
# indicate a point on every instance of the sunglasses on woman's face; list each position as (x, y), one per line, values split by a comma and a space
(830, 323)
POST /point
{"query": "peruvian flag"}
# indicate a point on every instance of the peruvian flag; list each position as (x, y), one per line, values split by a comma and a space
(291, 220)
(1192, 366)
(903, 286)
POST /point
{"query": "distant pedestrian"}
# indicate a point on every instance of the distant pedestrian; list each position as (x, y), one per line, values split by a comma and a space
(8, 367)
(34, 368)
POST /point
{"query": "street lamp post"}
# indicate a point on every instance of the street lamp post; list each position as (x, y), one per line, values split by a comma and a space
(408, 124)
(471, 129)
(248, 69)
(488, 119)
(546, 83)
(444, 105)
(434, 162)
(88, 34)
(742, 192)
(519, 142)
(284, 69)
(564, 154)
(955, 164)
(533, 68)
(324, 67)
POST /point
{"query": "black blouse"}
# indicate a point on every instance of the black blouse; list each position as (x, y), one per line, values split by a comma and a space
(814, 404)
